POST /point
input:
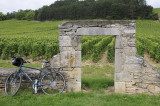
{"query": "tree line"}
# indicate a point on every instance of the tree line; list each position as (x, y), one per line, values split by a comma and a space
(21, 15)
(89, 9)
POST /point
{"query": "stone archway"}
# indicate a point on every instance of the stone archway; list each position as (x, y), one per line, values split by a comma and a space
(132, 73)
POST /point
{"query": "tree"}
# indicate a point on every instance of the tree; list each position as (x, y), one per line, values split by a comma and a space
(30, 15)
(20, 15)
(142, 2)
(44, 13)
(10, 15)
(2, 16)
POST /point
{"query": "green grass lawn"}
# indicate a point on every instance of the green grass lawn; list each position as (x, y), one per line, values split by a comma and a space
(96, 79)
(79, 99)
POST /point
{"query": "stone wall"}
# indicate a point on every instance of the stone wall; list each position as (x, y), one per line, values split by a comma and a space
(4, 73)
(132, 73)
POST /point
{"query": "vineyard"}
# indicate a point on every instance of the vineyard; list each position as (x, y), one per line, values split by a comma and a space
(36, 40)
(39, 40)
(148, 39)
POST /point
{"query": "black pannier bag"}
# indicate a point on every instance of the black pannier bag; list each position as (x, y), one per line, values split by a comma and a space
(17, 61)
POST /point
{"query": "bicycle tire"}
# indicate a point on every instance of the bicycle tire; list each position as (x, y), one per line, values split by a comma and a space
(13, 85)
(56, 86)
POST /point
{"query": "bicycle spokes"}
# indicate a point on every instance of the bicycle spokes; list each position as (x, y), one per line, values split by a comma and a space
(55, 85)
(12, 84)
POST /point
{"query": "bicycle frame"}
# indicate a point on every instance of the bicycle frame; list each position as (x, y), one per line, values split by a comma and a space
(41, 71)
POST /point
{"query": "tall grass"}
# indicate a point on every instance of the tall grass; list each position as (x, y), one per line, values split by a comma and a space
(79, 99)
(97, 78)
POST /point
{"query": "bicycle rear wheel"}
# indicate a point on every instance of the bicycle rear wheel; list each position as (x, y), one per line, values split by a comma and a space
(13, 84)
(53, 83)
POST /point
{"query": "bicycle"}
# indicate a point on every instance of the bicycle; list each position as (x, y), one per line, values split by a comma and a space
(52, 82)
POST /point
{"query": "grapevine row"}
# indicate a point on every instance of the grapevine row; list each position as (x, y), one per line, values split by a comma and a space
(111, 51)
(34, 48)
(87, 47)
(152, 47)
(100, 47)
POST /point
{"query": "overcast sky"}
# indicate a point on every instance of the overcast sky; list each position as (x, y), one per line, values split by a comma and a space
(15, 5)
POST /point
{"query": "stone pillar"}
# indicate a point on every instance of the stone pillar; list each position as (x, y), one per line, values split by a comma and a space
(125, 59)
(70, 57)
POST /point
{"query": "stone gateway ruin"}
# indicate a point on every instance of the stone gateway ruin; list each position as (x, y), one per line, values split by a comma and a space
(132, 73)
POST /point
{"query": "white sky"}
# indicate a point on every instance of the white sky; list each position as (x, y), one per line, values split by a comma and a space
(15, 5)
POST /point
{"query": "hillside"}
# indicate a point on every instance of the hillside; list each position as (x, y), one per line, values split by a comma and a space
(39, 40)
(97, 79)
(157, 10)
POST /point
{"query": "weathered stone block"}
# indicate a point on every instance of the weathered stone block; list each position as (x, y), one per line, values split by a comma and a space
(134, 60)
(63, 48)
(122, 77)
(65, 41)
(128, 31)
(75, 87)
(75, 74)
(77, 62)
(55, 61)
(76, 42)
(120, 87)
(98, 31)
(132, 43)
(71, 33)
(151, 88)
(132, 24)
(140, 90)
(67, 58)
(124, 41)
(118, 42)
(157, 89)
(2, 91)
(133, 68)
(131, 35)
(62, 27)
(66, 30)
(118, 60)
(130, 51)
(74, 80)
(70, 59)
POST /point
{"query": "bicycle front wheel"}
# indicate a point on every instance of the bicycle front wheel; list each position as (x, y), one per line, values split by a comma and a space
(53, 83)
(13, 84)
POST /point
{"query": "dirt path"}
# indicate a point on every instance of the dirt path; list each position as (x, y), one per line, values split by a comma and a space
(151, 61)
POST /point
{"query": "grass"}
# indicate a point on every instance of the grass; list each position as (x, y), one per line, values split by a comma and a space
(158, 68)
(79, 99)
(8, 64)
(96, 77)
(16, 28)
